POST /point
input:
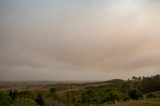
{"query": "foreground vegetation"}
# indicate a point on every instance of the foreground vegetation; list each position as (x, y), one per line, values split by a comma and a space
(138, 91)
(147, 102)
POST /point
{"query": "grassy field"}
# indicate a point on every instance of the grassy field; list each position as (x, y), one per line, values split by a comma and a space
(147, 102)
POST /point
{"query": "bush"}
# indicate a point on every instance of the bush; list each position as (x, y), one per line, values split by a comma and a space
(25, 102)
(13, 94)
(5, 100)
(114, 96)
(135, 94)
(25, 94)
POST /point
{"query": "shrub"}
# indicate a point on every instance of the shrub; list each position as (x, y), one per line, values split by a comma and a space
(135, 94)
(5, 100)
(25, 102)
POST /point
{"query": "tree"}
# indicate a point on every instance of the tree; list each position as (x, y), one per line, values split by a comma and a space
(126, 86)
(53, 95)
(40, 100)
(135, 94)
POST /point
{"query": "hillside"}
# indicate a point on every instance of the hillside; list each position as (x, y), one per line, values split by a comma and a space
(138, 91)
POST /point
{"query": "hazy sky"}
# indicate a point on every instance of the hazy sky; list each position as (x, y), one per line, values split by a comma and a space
(79, 39)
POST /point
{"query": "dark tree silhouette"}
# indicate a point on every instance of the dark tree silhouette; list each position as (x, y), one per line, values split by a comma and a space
(40, 100)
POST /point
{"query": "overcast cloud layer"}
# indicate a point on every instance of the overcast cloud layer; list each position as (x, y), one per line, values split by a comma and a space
(78, 39)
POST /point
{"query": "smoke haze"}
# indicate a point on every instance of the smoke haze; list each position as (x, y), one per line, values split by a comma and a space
(79, 40)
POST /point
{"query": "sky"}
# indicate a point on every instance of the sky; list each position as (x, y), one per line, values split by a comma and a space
(79, 40)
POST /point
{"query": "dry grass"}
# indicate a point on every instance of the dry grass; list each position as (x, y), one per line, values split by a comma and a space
(147, 102)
